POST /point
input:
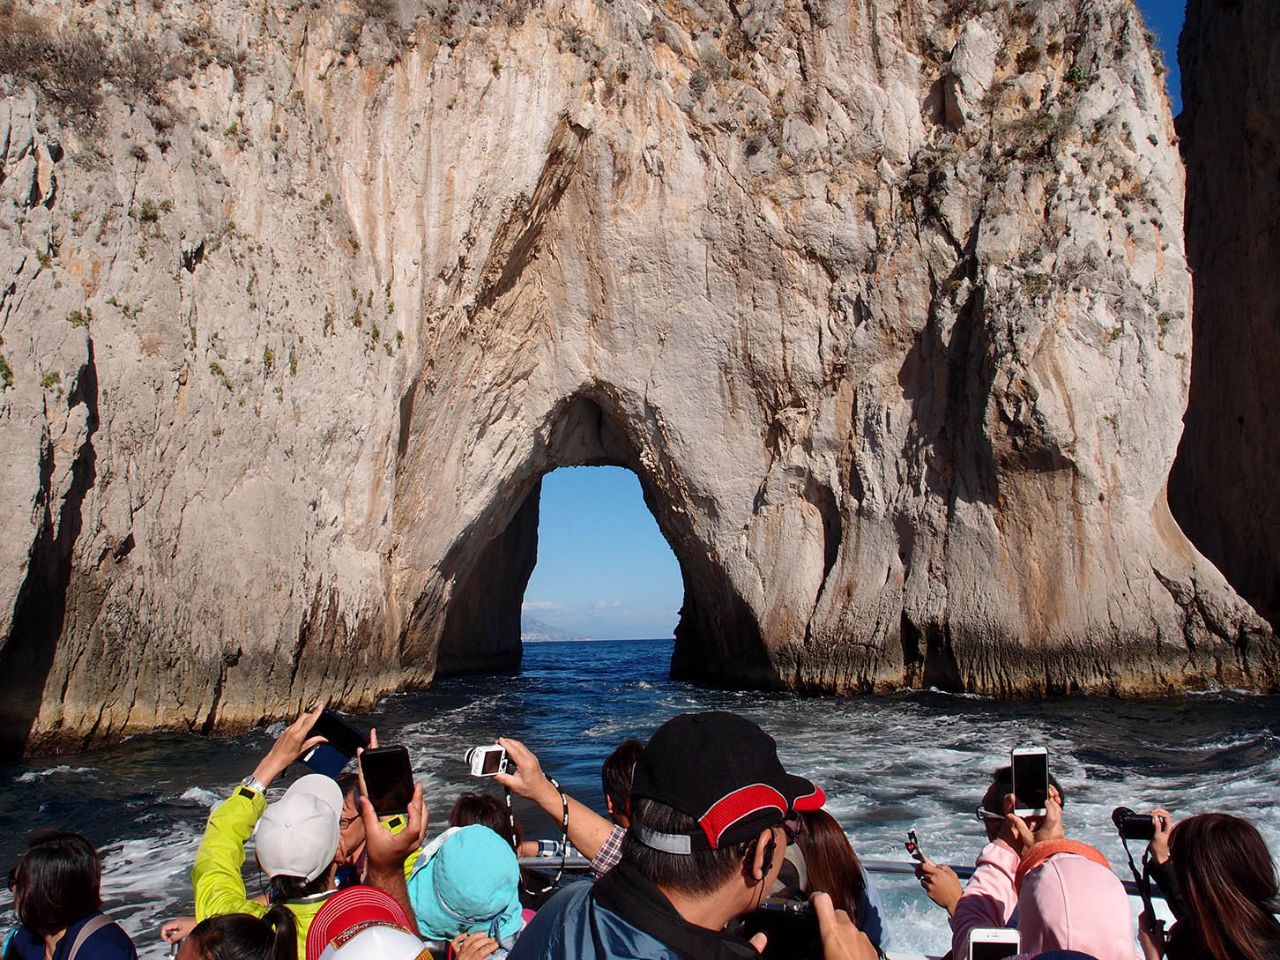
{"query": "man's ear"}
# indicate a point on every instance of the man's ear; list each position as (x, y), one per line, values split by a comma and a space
(763, 850)
(608, 805)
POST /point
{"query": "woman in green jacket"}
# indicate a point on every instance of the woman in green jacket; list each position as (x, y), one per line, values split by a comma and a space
(299, 838)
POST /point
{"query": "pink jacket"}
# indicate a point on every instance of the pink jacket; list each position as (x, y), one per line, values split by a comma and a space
(1068, 903)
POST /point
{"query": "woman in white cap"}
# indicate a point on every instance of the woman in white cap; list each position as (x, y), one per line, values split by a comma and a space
(298, 838)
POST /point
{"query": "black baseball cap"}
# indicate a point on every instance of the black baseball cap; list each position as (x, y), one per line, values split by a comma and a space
(723, 771)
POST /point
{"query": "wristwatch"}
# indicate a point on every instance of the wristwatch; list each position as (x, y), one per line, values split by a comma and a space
(253, 783)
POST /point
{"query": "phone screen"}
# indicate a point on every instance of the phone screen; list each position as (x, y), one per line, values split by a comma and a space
(1031, 780)
(388, 779)
(342, 736)
(492, 761)
(992, 951)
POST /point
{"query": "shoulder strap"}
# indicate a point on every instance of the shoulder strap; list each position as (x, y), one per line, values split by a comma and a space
(92, 926)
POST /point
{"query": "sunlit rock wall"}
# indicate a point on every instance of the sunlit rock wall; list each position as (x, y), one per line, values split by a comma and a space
(886, 305)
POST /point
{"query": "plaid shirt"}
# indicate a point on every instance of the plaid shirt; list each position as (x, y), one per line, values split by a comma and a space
(610, 854)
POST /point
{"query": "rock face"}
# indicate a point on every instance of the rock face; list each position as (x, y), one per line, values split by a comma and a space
(1223, 486)
(886, 305)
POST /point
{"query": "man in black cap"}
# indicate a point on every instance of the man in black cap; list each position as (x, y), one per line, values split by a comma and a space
(709, 825)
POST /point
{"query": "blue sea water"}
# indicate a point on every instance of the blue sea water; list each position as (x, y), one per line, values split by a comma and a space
(889, 763)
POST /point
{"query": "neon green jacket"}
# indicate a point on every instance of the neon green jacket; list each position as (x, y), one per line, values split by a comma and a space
(216, 876)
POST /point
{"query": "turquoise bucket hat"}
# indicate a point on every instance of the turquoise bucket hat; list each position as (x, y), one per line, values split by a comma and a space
(471, 884)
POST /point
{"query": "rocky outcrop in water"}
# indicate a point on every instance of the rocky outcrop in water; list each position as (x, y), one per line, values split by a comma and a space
(886, 305)
(1224, 480)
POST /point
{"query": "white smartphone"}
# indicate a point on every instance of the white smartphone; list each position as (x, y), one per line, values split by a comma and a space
(994, 943)
(487, 761)
(1030, 767)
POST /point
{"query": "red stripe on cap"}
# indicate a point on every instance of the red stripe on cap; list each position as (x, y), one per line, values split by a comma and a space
(348, 907)
(811, 801)
(732, 807)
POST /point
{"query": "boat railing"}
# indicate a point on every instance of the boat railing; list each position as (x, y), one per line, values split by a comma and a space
(885, 867)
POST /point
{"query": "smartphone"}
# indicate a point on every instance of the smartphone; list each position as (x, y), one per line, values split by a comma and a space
(913, 848)
(1030, 767)
(994, 943)
(791, 927)
(388, 779)
(487, 761)
(344, 740)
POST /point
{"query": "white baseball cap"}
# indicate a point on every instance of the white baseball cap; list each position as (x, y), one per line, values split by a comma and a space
(376, 941)
(298, 835)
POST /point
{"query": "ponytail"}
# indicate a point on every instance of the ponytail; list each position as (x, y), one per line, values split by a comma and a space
(242, 936)
(284, 930)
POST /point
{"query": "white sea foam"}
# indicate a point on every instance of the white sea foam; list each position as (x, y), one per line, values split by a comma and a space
(203, 796)
(31, 776)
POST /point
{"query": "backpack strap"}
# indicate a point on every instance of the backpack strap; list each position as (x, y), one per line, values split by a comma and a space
(92, 926)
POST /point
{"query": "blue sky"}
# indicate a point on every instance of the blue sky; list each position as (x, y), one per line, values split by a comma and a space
(604, 569)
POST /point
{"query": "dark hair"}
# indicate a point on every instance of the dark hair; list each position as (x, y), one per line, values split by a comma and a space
(242, 936)
(698, 873)
(1003, 778)
(487, 811)
(617, 771)
(831, 865)
(1225, 879)
(56, 882)
(349, 784)
(295, 888)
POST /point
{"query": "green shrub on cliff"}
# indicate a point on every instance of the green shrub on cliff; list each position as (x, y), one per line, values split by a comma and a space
(70, 64)
(6, 373)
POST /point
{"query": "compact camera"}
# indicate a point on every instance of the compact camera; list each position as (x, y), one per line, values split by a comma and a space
(1133, 826)
(488, 761)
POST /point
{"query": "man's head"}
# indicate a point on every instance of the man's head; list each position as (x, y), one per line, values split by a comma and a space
(993, 800)
(709, 800)
(615, 775)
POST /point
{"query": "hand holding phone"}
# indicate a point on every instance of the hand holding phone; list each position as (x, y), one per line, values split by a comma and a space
(1030, 769)
(913, 848)
(343, 741)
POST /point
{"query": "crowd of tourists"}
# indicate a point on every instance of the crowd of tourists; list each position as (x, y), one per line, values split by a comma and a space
(708, 850)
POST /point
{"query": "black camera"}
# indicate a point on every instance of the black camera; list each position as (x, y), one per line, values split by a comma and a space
(1133, 826)
(791, 927)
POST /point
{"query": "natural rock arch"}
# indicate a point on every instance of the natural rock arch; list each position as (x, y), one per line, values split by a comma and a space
(887, 310)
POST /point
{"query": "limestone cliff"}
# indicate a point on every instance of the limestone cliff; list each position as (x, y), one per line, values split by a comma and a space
(1223, 486)
(885, 303)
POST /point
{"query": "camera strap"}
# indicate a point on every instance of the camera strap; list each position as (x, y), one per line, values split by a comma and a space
(564, 838)
(1142, 879)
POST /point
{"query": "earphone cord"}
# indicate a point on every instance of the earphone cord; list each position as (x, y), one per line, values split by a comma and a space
(564, 837)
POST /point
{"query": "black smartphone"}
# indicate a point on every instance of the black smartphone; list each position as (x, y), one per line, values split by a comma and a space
(340, 732)
(1030, 780)
(791, 927)
(388, 779)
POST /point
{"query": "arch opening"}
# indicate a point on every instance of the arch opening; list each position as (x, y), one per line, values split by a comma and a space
(490, 566)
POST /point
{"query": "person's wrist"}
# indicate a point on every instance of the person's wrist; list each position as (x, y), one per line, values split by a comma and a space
(267, 770)
(546, 796)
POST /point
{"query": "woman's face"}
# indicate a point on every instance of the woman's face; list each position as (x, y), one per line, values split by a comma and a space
(351, 837)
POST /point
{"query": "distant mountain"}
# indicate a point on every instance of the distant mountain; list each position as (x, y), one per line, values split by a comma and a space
(533, 630)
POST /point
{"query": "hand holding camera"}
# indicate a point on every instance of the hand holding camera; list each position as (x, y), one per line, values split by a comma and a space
(489, 761)
(524, 776)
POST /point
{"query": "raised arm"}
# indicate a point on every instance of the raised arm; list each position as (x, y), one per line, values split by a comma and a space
(588, 830)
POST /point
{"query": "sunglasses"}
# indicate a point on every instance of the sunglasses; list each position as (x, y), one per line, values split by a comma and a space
(982, 814)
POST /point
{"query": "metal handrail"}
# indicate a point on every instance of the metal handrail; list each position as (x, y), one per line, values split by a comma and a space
(889, 867)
